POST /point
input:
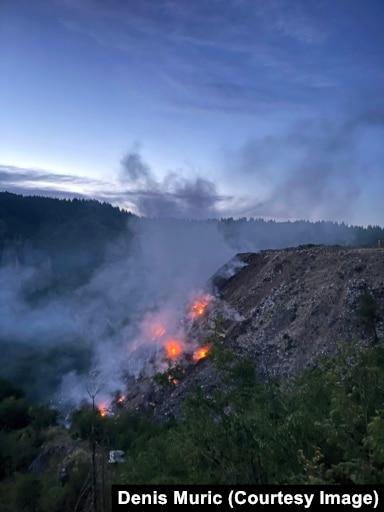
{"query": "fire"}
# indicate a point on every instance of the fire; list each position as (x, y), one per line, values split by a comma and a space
(201, 353)
(103, 409)
(199, 306)
(120, 400)
(173, 348)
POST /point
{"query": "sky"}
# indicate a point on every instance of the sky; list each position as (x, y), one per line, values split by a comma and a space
(197, 108)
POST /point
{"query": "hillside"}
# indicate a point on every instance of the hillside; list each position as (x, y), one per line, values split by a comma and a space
(299, 303)
(66, 239)
(264, 405)
(283, 309)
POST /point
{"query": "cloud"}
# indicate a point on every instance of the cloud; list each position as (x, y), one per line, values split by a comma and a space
(137, 189)
(298, 20)
(40, 182)
(11, 174)
(146, 281)
(195, 49)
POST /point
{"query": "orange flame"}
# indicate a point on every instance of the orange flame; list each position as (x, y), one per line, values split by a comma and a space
(120, 400)
(201, 353)
(103, 409)
(173, 348)
(199, 306)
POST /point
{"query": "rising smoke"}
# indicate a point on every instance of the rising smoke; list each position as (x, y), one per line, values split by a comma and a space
(318, 170)
(147, 280)
(174, 196)
(141, 291)
(117, 318)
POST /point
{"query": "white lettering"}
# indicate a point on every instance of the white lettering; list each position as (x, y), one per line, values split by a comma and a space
(238, 501)
(241, 498)
(122, 495)
(183, 498)
(308, 499)
(355, 500)
(180, 498)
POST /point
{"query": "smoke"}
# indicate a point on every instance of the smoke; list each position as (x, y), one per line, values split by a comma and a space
(319, 170)
(89, 340)
(117, 323)
(140, 298)
(174, 196)
(230, 268)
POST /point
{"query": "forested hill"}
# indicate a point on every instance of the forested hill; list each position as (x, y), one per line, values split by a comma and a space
(290, 388)
(35, 216)
(69, 235)
(40, 218)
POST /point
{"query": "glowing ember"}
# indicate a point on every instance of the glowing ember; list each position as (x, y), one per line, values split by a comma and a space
(120, 400)
(199, 306)
(173, 348)
(103, 410)
(201, 353)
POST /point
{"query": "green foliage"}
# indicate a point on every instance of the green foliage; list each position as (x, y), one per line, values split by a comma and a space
(84, 421)
(20, 429)
(7, 389)
(219, 353)
(28, 491)
(170, 377)
(325, 426)
(14, 413)
(75, 495)
(42, 416)
(37, 369)
(368, 313)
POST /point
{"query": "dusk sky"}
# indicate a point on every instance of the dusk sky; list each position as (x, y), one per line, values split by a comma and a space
(197, 108)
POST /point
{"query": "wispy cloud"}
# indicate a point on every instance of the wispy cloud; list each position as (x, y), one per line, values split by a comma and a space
(12, 175)
(27, 181)
(188, 43)
(137, 189)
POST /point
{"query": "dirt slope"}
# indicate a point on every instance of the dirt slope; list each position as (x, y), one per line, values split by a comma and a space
(281, 308)
(300, 302)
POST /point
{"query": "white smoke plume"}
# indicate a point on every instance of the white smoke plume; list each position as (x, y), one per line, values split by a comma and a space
(139, 300)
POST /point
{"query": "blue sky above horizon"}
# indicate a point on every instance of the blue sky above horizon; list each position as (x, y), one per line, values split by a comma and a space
(204, 108)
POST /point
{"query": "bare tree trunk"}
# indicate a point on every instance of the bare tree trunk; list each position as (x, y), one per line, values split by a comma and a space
(103, 477)
(93, 441)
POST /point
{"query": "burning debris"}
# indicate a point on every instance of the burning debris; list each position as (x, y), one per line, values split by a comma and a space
(199, 306)
(201, 353)
(173, 349)
(103, 409)
(164, 345)
(165, 333)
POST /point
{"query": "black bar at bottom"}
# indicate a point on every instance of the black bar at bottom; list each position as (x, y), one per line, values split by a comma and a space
(247, 497)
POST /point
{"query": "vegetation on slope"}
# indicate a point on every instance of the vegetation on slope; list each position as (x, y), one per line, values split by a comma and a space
(324, 426)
